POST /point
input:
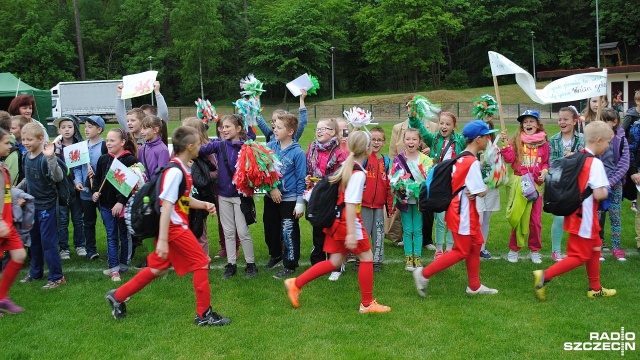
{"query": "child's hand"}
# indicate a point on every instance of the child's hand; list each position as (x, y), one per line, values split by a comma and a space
(119, 88)
(48, 148)
(469, 195)
(116, 209)
(426, 151)
(90, 172)
(276, 195)
(79, 187)
(298, 210)
(162, 248)
(4, 229)
(636, 178)
(21, 202)
(210, 208)
(303, 93)
(350, 241)
(156, 87)
(95, 197)
(543, 174)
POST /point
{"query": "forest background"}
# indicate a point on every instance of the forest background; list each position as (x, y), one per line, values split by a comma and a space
(376, 46)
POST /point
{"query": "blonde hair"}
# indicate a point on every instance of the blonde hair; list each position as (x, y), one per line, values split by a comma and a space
(412, 130)
(517, 141)
(333, 124)
(137, 112)
(197, 124)
(289, 121)
(597, 130)
(33, 129)
(358, 144)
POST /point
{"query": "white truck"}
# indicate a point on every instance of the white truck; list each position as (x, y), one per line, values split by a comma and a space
(84, 98)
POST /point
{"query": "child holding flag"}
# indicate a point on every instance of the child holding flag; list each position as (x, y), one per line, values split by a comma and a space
(112, 192)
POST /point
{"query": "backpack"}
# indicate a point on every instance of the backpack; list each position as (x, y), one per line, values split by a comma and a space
(437, 193)
(65, 188)
(203, 189)
(142, 213)
(323, 208)
(562, 196)
(15, 148)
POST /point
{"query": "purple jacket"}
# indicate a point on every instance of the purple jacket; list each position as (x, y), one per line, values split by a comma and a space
(153, 154)
(225, 186)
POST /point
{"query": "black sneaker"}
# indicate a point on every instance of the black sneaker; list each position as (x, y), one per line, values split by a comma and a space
(118, 309)
(229, 271)
(141, 265)
(251, 271)
(377, 267)
(273, 262)
(211, 318)
(94, 256)
(356, 266)
(284, 274)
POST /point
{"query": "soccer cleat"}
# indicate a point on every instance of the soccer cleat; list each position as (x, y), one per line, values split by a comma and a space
(601, 293)
(65, 255)
(437, 255)
(484, 254)
(9, 307)
(421, 282)
(374, 307)
(81, 251)
(619, 254)
(251, 271)
(54, 284)
(118, 309)
(409, 265)
(482, 290)
(211, 318)
(539, 285)
(229, 271)
(283, 274)
(293, 292)
(512, 256)
(557, 256)
(273, 262)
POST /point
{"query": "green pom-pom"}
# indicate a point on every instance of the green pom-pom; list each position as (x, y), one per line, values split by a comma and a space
(423, 108)
(484, 106)
(316, 85)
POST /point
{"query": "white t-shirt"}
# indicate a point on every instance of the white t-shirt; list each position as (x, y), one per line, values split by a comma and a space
(355, 188)
(597, 179)
(171, 184)
(474, 183)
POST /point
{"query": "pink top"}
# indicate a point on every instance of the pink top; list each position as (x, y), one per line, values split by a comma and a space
(533, 160)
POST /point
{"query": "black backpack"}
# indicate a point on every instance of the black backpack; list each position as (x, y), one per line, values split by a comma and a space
(65, 188)
(142, 213)
(437, 192)
(203, 189)
(323, 208)
(562, 196)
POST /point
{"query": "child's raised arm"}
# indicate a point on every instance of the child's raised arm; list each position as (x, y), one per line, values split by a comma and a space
(52, 162)
(302, 116)
(427, 136)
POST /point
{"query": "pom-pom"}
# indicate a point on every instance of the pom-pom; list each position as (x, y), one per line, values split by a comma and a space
(403, 187)
(358, 117)
(249, 109)
(424, 109)
(315, 87)
(206, 112)
(138, 169)
(257, 167)
(251, 86)
(484, 106)
(494, 170)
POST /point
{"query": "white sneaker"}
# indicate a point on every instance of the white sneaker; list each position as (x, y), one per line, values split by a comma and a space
(535, 257)
(64, 255)
(512, 256)
(482, 290)
(431, 247)
(421, 282)
(335, 275)
(109, 271)
(81, 251)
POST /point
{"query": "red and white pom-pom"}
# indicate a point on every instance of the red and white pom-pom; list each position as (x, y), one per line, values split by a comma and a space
(257, 168)
(358, 117)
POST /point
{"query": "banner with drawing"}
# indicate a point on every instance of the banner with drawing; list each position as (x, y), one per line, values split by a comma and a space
(570, 88)
(138, 84)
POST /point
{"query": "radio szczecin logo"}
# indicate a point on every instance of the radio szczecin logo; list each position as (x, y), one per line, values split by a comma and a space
(605, 341)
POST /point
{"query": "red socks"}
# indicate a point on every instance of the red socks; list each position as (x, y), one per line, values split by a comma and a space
(567, 264)
(202, 290)
(593, 271)
(317, 270)
(8, 276)
(365, 279)
(144, 277)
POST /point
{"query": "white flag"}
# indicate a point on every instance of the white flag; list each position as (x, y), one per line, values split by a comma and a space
(570, 88)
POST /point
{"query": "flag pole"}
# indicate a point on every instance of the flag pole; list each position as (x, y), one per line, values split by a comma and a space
(91, 178)
(101, 185)
(497, 90)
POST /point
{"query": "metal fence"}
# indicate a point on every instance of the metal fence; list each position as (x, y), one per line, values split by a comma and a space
(381, 112)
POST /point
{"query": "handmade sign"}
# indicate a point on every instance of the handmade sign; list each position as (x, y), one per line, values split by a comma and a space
(138, 84)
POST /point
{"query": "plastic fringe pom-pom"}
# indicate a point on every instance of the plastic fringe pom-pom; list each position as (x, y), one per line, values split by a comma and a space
(206, 112)
(315, 87)
(358, 117)
(484, 106)
(251, 86)
(496, 170)
(423, 108)
(258, 167)
(249, 109)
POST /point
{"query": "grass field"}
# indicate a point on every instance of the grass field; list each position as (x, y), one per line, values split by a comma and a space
(74, 321)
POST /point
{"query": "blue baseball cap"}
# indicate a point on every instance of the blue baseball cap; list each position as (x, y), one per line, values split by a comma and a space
(96, 120)
(476, 128)
(532, 113)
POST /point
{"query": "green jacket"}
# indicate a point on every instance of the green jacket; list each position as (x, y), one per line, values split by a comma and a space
(435, 141)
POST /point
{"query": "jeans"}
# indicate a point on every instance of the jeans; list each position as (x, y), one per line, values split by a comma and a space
(89, 209)
(117, 239)
(78, 225)
(282, 232)
(44, 245)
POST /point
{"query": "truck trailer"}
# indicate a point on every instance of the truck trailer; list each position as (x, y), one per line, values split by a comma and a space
(84, 98)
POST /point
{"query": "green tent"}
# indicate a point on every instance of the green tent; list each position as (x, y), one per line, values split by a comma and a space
(10, 86)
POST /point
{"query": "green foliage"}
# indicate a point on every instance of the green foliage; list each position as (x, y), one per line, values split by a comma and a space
(457, 79)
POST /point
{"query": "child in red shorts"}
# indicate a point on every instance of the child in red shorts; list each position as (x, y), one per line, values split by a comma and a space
(462, 217)
(347, 234)
(584, 245)
(176, 245)
(9, 238)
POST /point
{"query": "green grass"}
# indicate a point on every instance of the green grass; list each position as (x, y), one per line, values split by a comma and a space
(74, 321)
